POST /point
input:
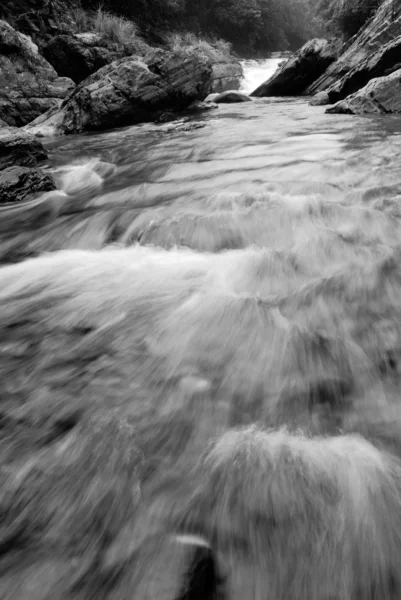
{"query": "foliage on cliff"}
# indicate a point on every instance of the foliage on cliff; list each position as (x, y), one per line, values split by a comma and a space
(346, 17)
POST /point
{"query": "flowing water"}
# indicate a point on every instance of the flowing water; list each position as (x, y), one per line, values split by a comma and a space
(242, 269)
(277, 217)
(258, 71)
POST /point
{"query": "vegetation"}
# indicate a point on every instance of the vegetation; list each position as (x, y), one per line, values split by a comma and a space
(345, 17)
(249, 25)
(189, 41)
(115, 28)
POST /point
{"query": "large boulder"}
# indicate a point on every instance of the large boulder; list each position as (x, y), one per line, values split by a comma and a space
(20, 149)
(78, 56)
(29, 86)
(380, 96)
(231, 98)
(130, 91)
(18, 184)
(374, 52)
(296, 74)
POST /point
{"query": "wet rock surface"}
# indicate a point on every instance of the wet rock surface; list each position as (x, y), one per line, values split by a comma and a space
(18, 184)
(20, 149)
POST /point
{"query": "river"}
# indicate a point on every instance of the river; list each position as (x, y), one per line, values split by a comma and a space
(246, 270)
(273, 197)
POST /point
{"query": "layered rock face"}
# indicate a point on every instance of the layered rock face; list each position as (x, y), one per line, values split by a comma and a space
(22, 183)
(226, 75)
(79, 56)
(29, 85)
(20, 149)
(130, 91)
(304, 67)
(374, 52)
(380, 96)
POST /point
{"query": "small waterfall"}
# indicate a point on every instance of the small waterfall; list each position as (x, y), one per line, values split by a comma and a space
(258, 71)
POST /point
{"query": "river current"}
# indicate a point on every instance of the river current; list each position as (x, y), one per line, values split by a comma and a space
(240, 270)
(277, 217)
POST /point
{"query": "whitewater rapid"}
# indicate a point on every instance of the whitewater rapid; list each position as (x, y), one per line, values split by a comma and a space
(256, 71)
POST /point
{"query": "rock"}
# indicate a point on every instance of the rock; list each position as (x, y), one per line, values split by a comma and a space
(231, 98)
(5, 129)
(78, 56)
(226, 76)
(320, 99)
(380, 96)
(199, 106)
(29, 86)
(211, 98)
(374, 52)
(38, 18)
(382, 62)
(20, 149)
(301, 70)
(129, 91)
(165, 117)
(18, 184)
(183, 127)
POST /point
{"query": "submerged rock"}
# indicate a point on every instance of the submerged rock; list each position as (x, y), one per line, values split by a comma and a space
(320, 99)
(304, 67)
(201, 106)
(374, 52)
(29, 86)
(183, 127)
(130, 91)
(380, 96)
(20, 149)
(231, 98)
(21, 183)
(78, 56)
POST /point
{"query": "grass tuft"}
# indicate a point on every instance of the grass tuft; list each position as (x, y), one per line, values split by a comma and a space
(81, 19)
(118, 29)
(112, 27)
(211, 49)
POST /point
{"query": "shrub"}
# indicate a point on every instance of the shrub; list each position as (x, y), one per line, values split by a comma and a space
(118, 29)
(346, 17)
(81, 19)
(113, 27)
(213, 49)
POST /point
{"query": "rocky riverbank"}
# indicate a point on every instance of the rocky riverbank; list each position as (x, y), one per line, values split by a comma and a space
(360, 77)
(70, 82)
